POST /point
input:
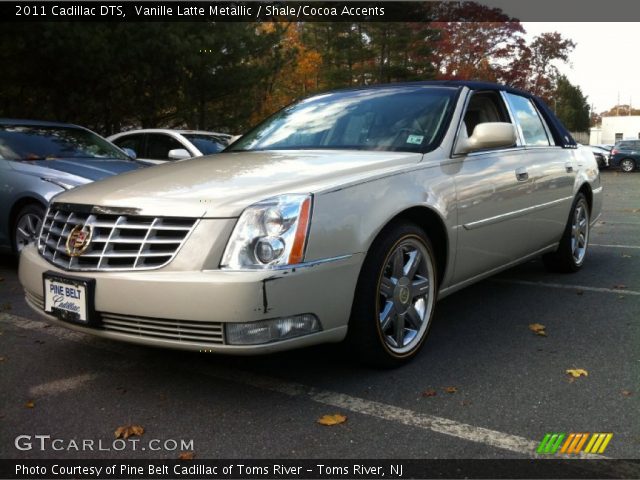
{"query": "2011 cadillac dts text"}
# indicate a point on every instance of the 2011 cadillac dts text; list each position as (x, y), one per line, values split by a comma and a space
(344, 216)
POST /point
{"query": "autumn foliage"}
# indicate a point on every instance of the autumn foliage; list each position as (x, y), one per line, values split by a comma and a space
(229, 76)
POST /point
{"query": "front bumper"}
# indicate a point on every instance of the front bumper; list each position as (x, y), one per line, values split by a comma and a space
(188, 309)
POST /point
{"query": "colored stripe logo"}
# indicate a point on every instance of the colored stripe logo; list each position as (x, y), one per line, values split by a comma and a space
(573, 443)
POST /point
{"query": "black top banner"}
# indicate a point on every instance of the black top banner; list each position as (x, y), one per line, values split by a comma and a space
(345, 11)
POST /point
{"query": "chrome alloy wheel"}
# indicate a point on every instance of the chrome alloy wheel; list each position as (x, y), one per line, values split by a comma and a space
(579, 232)
(627, 165)
(406, 292)
(27, 230)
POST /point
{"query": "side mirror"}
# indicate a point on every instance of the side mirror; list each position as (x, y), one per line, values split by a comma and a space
(179, 154)
(487, 135)
(130, 152)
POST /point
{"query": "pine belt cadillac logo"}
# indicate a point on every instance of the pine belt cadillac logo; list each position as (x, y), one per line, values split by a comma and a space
(78, 240)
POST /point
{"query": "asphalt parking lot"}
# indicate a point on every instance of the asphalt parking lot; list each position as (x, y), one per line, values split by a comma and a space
(509, 384)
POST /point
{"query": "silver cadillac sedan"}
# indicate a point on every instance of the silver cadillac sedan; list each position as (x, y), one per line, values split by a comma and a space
(345, 216)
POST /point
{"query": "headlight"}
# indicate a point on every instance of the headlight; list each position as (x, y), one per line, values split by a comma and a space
(269, 234)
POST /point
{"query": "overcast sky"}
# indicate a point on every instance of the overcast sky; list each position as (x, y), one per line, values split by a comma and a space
(604, 63)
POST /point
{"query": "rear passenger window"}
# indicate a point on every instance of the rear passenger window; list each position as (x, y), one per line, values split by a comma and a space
(531, 126)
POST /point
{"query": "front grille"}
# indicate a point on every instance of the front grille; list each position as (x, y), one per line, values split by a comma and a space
(160, 328)
(118, 242)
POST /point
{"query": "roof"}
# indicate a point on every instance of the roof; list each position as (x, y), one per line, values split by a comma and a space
(172, 130)
(35, 123)
(472, 84)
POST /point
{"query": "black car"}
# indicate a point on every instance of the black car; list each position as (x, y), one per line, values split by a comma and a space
(626, 155)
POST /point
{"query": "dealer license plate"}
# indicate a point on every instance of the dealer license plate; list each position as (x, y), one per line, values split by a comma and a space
(66, 298)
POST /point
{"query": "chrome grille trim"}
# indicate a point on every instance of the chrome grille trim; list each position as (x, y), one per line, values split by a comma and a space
(119, 242)
(177, 330)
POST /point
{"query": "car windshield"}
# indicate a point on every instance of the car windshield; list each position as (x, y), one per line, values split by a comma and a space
(31, 143)
(207, 144)
(407, 118)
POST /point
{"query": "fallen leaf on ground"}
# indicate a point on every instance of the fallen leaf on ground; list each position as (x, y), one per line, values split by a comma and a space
(186, 456)
(450, 389)
(334, 419)
(30, 404)
(577, 372)
(538, 329)
(429, 393)
(2, 359)
(127, 431)
(1, 279)
(619, 286)
(626, 393)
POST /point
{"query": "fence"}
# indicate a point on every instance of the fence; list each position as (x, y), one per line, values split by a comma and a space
(581, 137)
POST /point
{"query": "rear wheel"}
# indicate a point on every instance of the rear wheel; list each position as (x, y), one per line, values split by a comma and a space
(627, 165)
(573, 246)
(395, 298)
(26, 226)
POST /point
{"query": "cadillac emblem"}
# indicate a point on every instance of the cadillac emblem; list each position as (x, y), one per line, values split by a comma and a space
(78, 240)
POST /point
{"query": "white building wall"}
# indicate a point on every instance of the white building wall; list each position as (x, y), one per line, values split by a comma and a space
(616, 128)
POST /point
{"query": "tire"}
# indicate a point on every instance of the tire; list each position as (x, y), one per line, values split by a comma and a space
(395, 298)
(627, 165)
(26, 226)
(572, 251)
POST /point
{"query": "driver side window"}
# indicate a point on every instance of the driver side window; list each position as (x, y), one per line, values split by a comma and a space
(484, 107)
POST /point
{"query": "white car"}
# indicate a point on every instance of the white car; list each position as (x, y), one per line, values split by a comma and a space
(162, 145)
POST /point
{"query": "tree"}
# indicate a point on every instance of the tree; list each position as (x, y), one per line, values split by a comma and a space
(545, 49)
(571, 105)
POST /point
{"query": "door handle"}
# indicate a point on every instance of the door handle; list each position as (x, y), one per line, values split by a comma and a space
(569, 167)
(522, 174)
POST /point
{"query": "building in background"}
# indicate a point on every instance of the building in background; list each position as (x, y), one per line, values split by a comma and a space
(614, 129)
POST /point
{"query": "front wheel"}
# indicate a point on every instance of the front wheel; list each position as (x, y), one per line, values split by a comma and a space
(627, 165)
(26, 226)
(572, 250)
(395, 297)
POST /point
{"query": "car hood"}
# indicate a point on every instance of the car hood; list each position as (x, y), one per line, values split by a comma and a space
(222, 185)
(88, 168)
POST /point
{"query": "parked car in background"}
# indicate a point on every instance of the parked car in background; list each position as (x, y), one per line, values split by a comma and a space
(162, 145)
(41, 159)
(601, 155)
(625, 155)
(345, 215)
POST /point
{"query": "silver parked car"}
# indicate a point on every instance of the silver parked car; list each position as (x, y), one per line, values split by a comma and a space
(344, 216)
(41, 159)
(156, 145)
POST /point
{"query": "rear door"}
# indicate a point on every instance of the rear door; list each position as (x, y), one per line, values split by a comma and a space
(551, 168)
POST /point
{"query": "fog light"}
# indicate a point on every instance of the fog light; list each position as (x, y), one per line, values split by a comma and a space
(266, 331)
